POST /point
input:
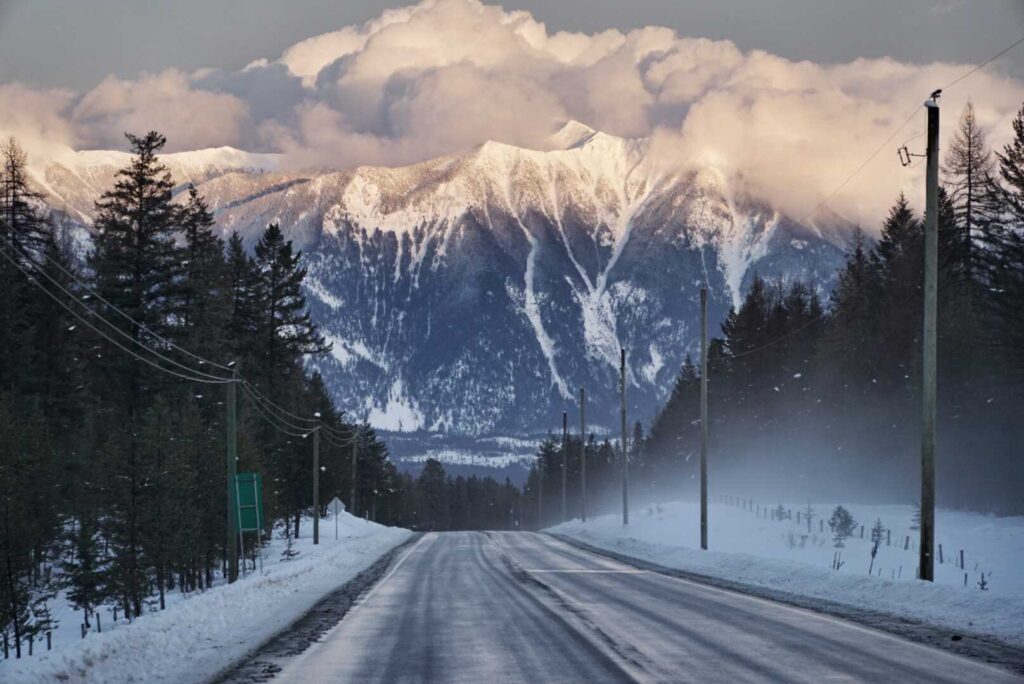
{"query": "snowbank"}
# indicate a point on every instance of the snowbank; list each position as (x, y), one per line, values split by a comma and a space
(781, 555)
(197, 637)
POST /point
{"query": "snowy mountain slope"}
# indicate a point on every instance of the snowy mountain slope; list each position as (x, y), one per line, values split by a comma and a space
(475, 293)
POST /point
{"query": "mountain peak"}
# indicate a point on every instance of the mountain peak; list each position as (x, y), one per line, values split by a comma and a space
(572, 134)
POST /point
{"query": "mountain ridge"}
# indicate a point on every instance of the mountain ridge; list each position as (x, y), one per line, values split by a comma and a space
(475, 293)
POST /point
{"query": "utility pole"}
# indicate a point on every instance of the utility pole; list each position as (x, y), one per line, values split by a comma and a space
(583, 455)
(928, 372)
(316, 479)
(232, 457)
(565, 457)
(355, 468)
(704, 418)
(625, 452)
(540, 492)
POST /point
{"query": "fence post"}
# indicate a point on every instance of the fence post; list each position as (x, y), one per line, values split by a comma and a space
(99, 626)
(940, 554)
(49, 640)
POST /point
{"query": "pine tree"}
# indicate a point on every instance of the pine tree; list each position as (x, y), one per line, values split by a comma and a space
(204, 288)
(842, 525)
(1004, 264)
(24, 524)
(969, 169)
(24, 227)
(23, 235)
(284, 323)
(136, 268)
(244, 287)
(84, 569)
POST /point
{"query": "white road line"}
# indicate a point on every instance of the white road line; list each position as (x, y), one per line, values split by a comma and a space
(588, 572)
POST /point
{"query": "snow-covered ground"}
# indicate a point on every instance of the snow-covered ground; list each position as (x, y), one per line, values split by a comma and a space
(201, 633)
(781, 555)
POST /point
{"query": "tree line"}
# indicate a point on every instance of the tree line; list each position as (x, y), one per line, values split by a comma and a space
(116, 345)
(821, 399)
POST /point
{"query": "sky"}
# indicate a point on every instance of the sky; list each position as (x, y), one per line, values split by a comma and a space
(786, 96)
(70, 43)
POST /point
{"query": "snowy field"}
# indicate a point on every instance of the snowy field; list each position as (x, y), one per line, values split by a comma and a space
(782, 555)
(201, 633)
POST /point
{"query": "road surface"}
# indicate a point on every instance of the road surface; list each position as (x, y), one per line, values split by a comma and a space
(508, 607)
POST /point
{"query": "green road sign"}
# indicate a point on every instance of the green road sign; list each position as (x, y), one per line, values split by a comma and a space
(249, 494)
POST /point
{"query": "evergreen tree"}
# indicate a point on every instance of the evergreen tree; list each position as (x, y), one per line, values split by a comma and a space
(25, 525)
(136, 268)
(969, 168)
(244, 312)
(842, 525)
(23, 227)
(284, 323)
(1004, 263)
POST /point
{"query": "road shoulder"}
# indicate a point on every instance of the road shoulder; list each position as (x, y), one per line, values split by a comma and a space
(972, 646)
(266, 660)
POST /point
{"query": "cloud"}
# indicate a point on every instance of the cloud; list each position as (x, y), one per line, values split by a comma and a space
(443, 75)
(190, 118)
(37, 118)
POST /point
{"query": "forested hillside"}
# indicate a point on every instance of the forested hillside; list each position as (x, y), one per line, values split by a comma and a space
(817, 399)
(116, 356)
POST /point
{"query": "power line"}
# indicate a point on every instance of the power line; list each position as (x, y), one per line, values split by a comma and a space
(284, 421)
(259, 400)
(860, 168)
(125, 315)
(267, 418)
(33, 278)
(117, 344)
(903, 125)
(302, 432)
(284, 414)
(983, 64)
(806, 325)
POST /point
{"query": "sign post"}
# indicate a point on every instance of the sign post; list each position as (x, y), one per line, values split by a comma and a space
(336, 508)
(249, 497)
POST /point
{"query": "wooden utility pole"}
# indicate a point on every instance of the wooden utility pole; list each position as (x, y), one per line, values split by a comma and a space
(355, 468)
(565, 458)
(316, 479)
(540, 492)
(583, 455)
(625, 451)
(704, 418)
(232, 467)
(928, 366)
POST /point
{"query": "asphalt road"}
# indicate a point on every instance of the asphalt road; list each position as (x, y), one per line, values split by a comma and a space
(520, 607)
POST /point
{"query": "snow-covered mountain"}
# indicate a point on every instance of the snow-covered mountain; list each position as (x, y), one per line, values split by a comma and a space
(475, 293)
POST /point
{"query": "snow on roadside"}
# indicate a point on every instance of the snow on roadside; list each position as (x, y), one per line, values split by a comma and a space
(194, 639)
(780, 556)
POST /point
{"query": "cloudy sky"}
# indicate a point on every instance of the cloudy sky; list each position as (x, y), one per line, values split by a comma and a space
(790, 96)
